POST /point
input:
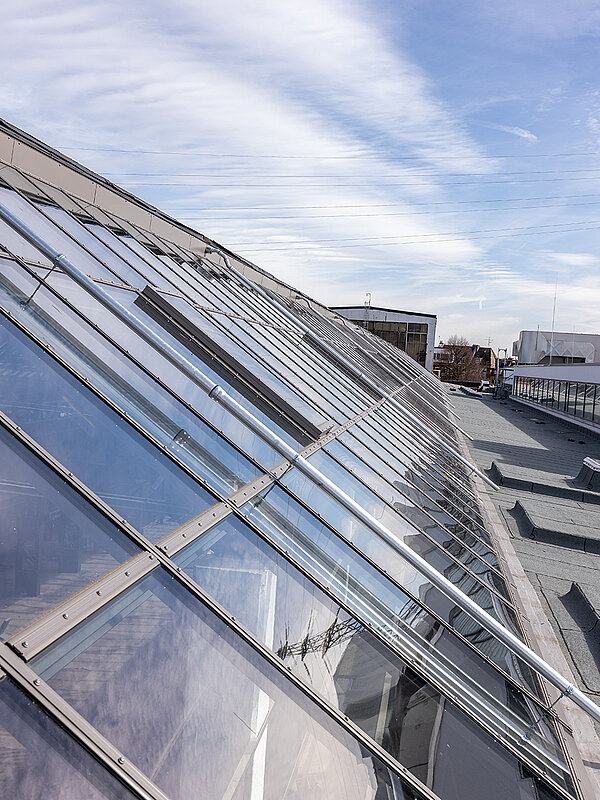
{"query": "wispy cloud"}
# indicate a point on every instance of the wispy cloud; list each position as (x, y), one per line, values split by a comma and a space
(513, 130)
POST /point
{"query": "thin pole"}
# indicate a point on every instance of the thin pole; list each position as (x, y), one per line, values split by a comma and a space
(553, 318)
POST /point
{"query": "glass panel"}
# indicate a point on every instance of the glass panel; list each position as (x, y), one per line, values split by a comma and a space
(47, 230)
(148, 355)
(82, 235)
(321, 642)
(410, 514)
(119, 244)
(379, 550)
(93, 442)
(52, 542)
(11, 240)
(197, 709)
(80, 345)
(325, 555)
(246, 357)
(409, 499)
(38, 759)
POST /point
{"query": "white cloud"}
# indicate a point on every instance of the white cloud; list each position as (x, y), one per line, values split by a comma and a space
(522, 133)
(582, 260)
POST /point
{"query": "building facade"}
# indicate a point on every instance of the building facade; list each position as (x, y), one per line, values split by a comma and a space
(545, 347)
(412, 332)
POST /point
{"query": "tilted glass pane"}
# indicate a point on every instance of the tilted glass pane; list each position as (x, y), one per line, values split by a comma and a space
(381, 552)
(403, 525)
(200, 711)
(326, 555)
(47, 230)
(79, 344)
(38, 759)
(412, 503)
(52, 542)
(92, 441)
(83, 235)
(324, 645)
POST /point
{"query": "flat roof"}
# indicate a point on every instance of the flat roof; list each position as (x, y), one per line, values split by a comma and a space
(382, 308)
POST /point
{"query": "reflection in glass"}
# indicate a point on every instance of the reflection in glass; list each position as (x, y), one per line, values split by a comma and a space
(91, 354)
(381, 552)
(405, 496)
(92, 441)
(38, 759)
(52, 542)
(198, 710)
(328, 557)
(326, 646)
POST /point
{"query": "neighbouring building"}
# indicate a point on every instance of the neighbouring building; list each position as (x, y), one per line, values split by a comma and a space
(467, 364)
(410, 331)
(243, 552)
(545, 347)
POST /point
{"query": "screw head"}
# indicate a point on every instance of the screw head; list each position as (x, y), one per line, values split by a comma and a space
(127, 572)
(121, 760)
(65, 616)
(99, 592)
(25, 644)
(36, 682)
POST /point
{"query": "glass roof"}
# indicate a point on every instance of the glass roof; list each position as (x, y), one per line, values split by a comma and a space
(175, 589)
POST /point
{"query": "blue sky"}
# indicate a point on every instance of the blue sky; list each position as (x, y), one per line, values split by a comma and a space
(443, 156)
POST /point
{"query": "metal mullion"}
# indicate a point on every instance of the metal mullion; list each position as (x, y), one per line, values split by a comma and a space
(128, 357)
(317, 363)
(180, 538)
(395, 357)
(316, 366)
(268, 655)
(432, 500)
(78, 728)
(114, 407)
(429, 459)
(121, 523)
(395, 424)
(85, 210)
(189, 279)
(311, 383)
(420, 439)
(219, 292)
(390, 429)
(422, 405)
(439, 524)
(219, 395)
(30, 641)
(390, 579)
(367, 355)
(430, 420)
